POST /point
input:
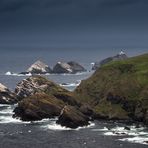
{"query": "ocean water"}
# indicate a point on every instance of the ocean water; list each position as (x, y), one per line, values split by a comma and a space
(46, 133)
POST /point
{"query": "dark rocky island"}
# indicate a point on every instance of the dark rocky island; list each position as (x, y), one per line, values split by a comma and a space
(70, 67)
(118, 57)
(38, 68)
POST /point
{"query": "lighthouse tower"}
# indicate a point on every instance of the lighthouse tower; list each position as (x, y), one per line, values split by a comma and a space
(121, 52)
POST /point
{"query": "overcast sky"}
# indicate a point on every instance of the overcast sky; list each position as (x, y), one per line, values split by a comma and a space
(74, 20)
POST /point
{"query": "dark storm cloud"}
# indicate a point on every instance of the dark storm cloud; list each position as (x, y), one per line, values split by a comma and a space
(50, 13)
(123, 2)
(14, 5)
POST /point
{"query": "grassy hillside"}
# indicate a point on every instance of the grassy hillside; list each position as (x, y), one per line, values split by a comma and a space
(118, 89)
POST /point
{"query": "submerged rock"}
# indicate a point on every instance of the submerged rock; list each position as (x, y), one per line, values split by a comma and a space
(6, 96)
(38, 68)
(72, 117)
(118, 57)
(70, 67)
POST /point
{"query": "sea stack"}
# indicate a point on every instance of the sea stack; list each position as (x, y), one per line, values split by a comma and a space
(76, 67)
(120, 56)
(62, 67)
(69, 67)
(38, 68)
(6, 96)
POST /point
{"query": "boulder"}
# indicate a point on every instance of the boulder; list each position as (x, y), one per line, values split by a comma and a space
(76, 67)
(72, 117)
(70, 67)
(118, 57)
(38, 68)
(6, 96)
(37, 107)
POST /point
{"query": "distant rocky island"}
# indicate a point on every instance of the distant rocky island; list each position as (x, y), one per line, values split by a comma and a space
(118, 90)
(40, 67)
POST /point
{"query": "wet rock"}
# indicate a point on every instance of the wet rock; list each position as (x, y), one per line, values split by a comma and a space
(127, 128)
(72, 117)
(87, 110)
(6, 96)
(38, 68)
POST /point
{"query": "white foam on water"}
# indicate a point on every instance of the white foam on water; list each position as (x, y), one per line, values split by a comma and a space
(140, 140)
(9, 73)
(57, 127)
(103, 129)
(4, 105)
(9, 119)
(71, 84)
(6, 111)
(138, 134)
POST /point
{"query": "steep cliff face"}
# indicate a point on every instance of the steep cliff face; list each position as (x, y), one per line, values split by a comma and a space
(118, 90)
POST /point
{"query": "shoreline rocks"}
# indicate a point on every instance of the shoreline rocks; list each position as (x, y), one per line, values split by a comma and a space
(6, 96)
(72, 117)
(40, 98)
(38, 107)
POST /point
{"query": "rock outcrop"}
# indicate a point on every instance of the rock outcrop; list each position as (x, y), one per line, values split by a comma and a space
(37, 107)
(41, 98)
(76, 67)
(39, 84)
(70, 67)
(118, 57)
(71, 117)
(6, 96)
(118, 90)
(38, 68)
(62, 67)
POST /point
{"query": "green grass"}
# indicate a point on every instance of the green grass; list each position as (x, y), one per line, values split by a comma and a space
(127, 79)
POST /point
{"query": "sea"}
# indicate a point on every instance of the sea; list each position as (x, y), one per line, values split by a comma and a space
(46, 133)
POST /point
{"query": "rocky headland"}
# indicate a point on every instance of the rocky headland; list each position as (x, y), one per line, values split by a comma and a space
(118, 90)
(118, 57)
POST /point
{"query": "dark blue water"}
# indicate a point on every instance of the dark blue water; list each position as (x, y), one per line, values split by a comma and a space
(47, 134)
